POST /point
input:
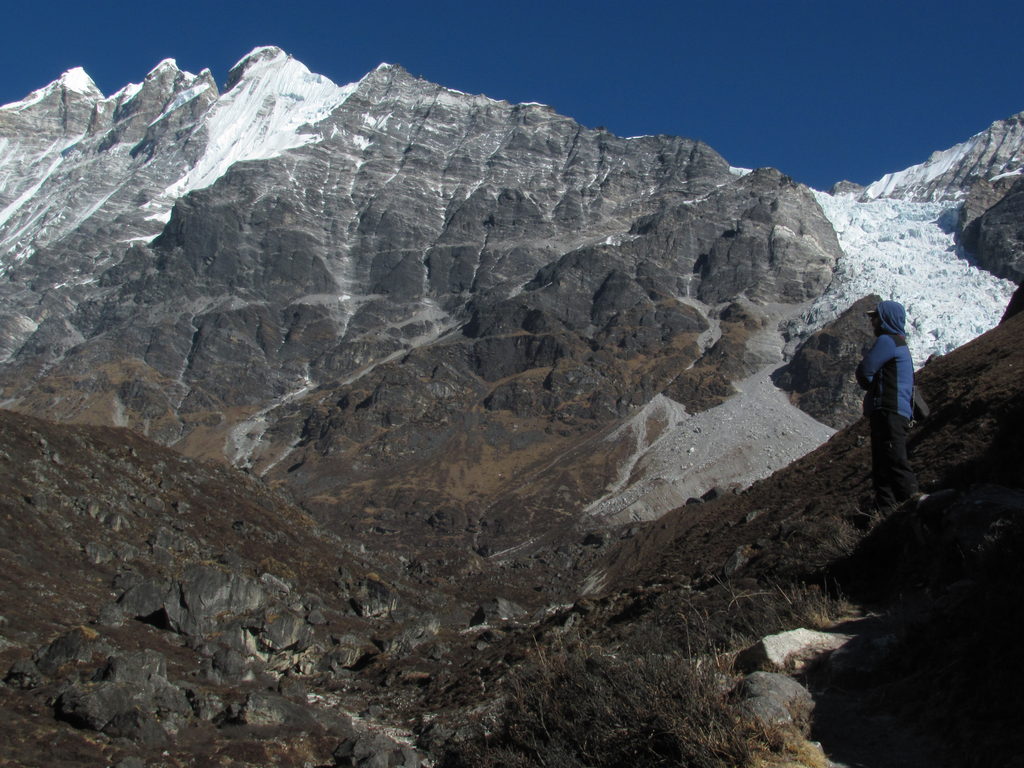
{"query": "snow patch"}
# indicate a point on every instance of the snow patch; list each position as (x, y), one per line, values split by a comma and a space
(261, 117)
(1009, 174)
(182, 99)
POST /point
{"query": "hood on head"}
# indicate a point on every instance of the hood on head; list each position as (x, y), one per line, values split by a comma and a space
(893, 317)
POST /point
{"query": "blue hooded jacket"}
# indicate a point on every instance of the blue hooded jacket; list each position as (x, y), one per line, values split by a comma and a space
(887, 370)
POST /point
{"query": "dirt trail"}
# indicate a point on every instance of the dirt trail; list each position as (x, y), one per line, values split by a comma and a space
(848, 722)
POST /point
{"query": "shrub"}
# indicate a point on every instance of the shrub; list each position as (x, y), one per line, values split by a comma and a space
(576, 708)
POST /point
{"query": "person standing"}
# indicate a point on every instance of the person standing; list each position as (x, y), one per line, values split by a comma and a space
(887, 373)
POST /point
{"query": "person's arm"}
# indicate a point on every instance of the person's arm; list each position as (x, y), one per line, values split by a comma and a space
(877, 356)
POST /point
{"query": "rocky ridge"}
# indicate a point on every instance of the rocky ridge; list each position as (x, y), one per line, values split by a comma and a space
(986, 158)
(288, 316)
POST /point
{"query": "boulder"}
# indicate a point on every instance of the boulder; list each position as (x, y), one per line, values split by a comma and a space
(788, 651)
(374, 751)
(78, 644)
(130, 697)
(372, 598)
(196, 604)
(273, 709)
(495, 611)
(348, 652)
(774, 699)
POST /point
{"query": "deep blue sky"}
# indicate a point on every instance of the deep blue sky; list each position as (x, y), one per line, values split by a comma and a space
(821, 90)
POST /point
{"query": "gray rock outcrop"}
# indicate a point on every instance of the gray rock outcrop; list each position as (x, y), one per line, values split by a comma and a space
(775, 699)
(820, 374)
(999, 243)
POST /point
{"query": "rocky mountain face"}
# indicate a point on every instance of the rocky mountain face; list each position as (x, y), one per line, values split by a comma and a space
(419, 312)
(818, 376)
(996, 237)
(440, 288)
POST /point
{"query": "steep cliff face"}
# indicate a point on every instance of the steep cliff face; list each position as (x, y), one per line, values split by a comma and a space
(423, 281)
(409, 305)
(999, 244)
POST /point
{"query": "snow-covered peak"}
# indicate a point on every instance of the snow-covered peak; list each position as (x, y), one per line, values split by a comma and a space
(892, 184)
(263, 54)
(78, 81)
(948, 174)
(166, 70)
(75, 80)
(262, 114)
(164, 66)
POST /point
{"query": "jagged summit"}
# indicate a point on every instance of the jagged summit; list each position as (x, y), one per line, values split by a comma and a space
(949, 174)
(260, 55)
(78, 80)
(75, 80)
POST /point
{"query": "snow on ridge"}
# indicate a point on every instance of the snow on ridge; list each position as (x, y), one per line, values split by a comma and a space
(78, 81)
(262, 115)
(75, 79)
(182, 99)
(126, 94)
(922, 173)
(165, 64)
(905, 251)
(260, 52)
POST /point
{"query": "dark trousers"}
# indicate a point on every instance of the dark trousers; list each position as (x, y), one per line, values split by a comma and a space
(893, 478)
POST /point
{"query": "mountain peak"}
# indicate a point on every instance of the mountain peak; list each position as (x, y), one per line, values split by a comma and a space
(264, 53)
(75, 80)
(163, 66)
(269, 97)
(949, 174)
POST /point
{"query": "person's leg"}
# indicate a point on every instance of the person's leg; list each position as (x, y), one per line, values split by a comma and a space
(881, 447)
(903, 481)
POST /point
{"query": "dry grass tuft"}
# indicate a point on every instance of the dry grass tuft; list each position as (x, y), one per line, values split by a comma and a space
(579, 706)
